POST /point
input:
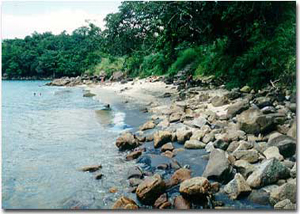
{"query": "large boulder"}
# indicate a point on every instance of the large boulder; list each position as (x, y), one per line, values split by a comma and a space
(117, 76)
(162, 202)
(161, 138)
(245, 89)
(179, 176)
(262, 101)
(237, 108)
(218, 166)
(251, 156)
(285, 144)
(174, 117)
(194, 144)
(197, 186)
(150, 189)
(244, 167)
(285, 204)
(167, 147)
(127, 141)
(259, 196)
(285, 191)
(237, 187)
(273, 152)
(253, 121)
(268, 172)
(183, 134)
(125, 203)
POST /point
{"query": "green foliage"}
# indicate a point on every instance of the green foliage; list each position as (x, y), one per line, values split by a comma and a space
(154, 64)
(107, 65)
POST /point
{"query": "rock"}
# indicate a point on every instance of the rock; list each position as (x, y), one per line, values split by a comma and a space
(219, 101)
(245, 89)
(150, 189)
(133, 155)
(218, 166)
(199, 134)
(220, 144)
(194, 144)
(251, 156)
(208, 138)
(244, 167)
(237, 108)
(285, 204)
(183, 134)
(127, 141)
(181, 204)
(99, 176)
(237, 187)
(209, 147)
(292, 132)
(179, 176)
(197, 186)
(117, 76)
(253, 121)
(125, 203)
(163, 166)
(161, 201)
(292, 107)
(233, 146)
(89, 94)
(91, 168)
(268, 172)
(294, 171)
(273, 152)
(234, 94)
(285, 144)
(199, 122)
(113, 190)
(134, 182)
(167, 147)
(148, 125)
(168, 154)
(268, 110)
(259, 197)
(285, 191)
(161, 138)
(174, 117)
(273, 135)
(134, 172)
(262, 102)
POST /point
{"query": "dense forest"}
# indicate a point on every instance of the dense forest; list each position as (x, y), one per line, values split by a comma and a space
(238, 42)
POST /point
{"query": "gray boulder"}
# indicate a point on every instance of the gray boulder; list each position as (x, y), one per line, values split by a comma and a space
(285, 144)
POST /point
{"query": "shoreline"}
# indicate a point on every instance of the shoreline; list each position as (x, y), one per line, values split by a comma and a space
(205, 125)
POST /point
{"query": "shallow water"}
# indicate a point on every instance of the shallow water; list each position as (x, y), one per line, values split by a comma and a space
(47, 137)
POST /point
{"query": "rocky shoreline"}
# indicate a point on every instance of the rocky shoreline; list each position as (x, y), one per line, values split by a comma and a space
(245, 140)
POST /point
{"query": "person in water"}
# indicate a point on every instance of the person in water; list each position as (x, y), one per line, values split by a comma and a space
(34, 94)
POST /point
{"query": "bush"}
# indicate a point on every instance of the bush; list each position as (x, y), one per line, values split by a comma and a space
(154, 64)
(107, 65)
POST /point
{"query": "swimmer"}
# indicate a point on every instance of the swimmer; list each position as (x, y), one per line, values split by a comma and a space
(34, 94)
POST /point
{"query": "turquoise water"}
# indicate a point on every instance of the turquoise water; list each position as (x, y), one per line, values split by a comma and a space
(47, 137)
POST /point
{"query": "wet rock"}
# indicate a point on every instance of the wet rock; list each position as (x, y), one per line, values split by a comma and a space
(273, 152)
(113, 190)
(125, 203)
(89, 94)
(244, 167)
(179, 176)
(285, 144)
(148, 125)
(183, 134)
(127, 141)
(160, 202)
(259, 197)
(268, 110)
(245, 89)
(237, 187)
(262, 102)
(164, 124)
(194, 144)
(168, 154)
(251, 156)
(175, 117)
(91, 168)
(181, 204)
(219, 101)
(161, 138)
(163, 166)
(215, 187)
(167, 147)
(268, 172)
(133, 155)
(134, 172)
(294, 171)
(285, 204)
(237, 108)
(149, 138)
(99, 176)
(285, 191)
(199, 134)
(218, 166)
(197, 186)
(150, 189)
